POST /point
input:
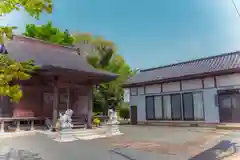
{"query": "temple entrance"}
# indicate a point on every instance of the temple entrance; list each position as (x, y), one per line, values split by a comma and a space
(48, 97)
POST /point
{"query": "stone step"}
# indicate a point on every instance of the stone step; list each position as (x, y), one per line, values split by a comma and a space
(92, 137)
(77, 126)
(87, 134)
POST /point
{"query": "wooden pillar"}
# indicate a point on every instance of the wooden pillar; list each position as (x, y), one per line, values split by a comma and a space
(68, 97)
(90, 108)
(55, 103)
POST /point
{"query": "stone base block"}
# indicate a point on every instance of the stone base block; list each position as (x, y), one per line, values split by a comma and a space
(113, 130)
(66, 135)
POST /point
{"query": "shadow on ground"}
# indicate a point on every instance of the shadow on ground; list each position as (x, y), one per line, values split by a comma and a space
(220, 151)
(13, 154)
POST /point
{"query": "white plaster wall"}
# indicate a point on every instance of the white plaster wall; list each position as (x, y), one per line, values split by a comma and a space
(139, 101)
(209, 82)
(170, 87)
(126, 95)
(141, 90)
(228, 80)
(153, 88)
(191, 84)
(210, 108)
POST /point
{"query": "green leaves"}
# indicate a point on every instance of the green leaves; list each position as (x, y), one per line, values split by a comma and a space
(49, 33)
(10, 70)
(104, 57)
(33, 7)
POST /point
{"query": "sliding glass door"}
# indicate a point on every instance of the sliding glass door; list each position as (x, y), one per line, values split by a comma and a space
(167, 111)
(193, 106)
(198, 106)
(188, 108)
(150, 115)
(158, 107)
(176, 107)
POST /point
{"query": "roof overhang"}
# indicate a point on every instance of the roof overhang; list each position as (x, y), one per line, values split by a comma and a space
(188, 77)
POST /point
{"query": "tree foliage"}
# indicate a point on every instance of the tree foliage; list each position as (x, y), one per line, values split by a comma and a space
(49, 33)
(103, 55)
(11, 70)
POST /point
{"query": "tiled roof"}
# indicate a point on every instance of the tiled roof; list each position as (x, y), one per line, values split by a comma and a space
(48, 55)
(208, 65)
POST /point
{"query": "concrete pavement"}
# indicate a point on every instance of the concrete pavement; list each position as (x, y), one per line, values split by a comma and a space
(138, 143)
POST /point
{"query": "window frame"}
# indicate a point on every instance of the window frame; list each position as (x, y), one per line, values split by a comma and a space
(131, 91)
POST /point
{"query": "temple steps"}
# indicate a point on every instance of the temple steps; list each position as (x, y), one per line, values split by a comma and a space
(88, 134)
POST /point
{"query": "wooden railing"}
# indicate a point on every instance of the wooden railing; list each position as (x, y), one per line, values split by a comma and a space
(18, 121)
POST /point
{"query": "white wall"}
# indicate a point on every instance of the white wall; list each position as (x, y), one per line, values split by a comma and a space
(139, 101)
(209, 82)
(153, 89)
(210, 108)
(228, 80)
(191, 84)
(126, 95)
(171, 87)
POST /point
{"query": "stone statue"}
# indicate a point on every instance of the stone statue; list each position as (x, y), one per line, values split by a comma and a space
(112, 117)
(66, 120)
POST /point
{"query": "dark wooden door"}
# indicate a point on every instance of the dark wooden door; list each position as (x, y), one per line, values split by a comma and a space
(225, 108)
(133, 115)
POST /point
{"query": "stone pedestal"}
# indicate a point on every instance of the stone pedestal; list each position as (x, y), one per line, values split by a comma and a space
(112, 124)
(113, 130)
(65, 135)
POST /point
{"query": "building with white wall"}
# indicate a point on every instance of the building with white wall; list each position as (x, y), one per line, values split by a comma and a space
(204, 89)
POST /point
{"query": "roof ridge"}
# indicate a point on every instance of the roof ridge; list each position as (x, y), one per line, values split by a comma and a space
(190, 61)
(45, 42)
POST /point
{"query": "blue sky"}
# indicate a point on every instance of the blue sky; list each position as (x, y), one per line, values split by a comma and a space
(149, 33)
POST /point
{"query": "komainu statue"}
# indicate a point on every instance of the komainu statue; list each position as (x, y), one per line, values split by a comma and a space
(66, 120)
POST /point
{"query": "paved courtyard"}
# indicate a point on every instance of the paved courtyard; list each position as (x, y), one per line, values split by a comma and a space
(137, 143)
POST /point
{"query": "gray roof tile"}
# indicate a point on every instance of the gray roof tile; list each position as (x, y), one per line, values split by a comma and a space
(212, 64)
(50, 55)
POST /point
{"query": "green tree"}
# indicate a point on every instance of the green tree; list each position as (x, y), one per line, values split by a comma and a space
(11, 70)
(49, 33)
(104, 56)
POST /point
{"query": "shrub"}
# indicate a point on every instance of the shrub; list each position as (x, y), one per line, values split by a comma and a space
(97, 113)
(96, 121)
(124, 112)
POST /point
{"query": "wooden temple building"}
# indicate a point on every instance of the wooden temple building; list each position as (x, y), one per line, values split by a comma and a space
(64, 81)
